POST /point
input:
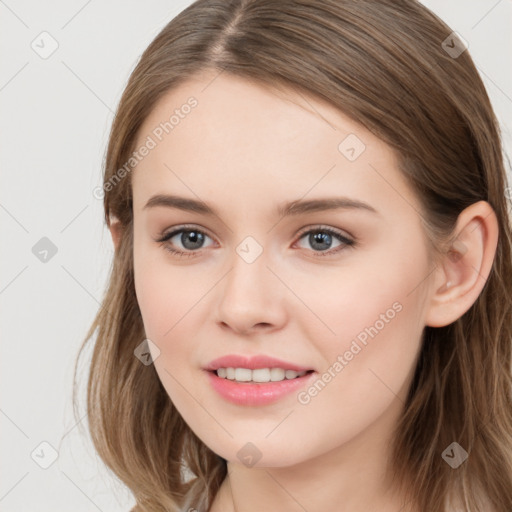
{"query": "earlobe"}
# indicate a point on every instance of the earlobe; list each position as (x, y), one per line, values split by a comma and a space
(115, 228)
(463, 271)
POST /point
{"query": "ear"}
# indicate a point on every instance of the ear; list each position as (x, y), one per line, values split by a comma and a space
(462, 272)
(116, 230)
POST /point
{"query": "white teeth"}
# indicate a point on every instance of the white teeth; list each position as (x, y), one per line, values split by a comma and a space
(258, 375)
(277, 374)
(243, 374)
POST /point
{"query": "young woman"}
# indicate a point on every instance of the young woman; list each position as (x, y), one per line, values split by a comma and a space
(310, 300)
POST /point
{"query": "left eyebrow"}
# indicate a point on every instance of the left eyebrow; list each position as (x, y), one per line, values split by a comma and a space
(297, 207)
(316, 205)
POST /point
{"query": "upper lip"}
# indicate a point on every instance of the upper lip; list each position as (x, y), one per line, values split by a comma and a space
(253, 362)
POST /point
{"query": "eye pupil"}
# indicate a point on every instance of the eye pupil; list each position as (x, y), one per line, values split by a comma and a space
(196, 238)
(319, 238)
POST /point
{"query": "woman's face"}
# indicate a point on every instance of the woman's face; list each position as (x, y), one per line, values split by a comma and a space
(341, 291)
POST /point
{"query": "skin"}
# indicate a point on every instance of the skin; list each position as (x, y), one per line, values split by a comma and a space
(244, 150)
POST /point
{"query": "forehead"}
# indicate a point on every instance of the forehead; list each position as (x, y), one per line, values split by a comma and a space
(224, 135)
(231, 109)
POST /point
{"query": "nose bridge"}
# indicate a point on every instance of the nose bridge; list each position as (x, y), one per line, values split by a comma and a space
(249, 271)
(251, 294)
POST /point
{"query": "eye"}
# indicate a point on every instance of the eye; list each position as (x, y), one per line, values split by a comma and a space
(321, 238)
(191, 240)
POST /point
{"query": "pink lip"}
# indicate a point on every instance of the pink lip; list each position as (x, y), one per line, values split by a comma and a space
(259, 361)
(245, 393)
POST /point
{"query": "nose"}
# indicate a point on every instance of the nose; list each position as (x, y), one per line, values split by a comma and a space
(251, 298)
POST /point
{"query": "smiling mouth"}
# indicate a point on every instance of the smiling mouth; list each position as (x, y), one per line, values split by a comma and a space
(258, 375)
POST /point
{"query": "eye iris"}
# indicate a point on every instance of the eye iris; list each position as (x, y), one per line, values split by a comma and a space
(320, 237)
(196, 238)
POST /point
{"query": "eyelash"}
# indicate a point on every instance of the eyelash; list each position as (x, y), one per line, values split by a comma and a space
(347, 242)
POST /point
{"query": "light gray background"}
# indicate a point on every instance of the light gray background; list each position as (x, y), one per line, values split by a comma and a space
(56, 114)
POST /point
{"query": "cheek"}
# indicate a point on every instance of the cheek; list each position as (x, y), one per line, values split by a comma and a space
(165, 292)
(173, 300)
(370, 295)
(376, 313)
(166, 295)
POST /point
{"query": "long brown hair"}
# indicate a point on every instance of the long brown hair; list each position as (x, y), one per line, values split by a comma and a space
(385, 64)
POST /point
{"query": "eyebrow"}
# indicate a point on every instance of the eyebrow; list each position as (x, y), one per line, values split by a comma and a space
(291, 208)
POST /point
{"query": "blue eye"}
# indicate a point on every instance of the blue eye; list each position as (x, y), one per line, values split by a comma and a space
(322, 236)
(192, 241)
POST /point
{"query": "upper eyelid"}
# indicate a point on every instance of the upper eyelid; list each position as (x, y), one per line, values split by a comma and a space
(322, 227)
(174, 231)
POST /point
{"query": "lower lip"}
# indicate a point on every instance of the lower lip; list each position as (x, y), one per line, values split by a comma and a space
(245, 393)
